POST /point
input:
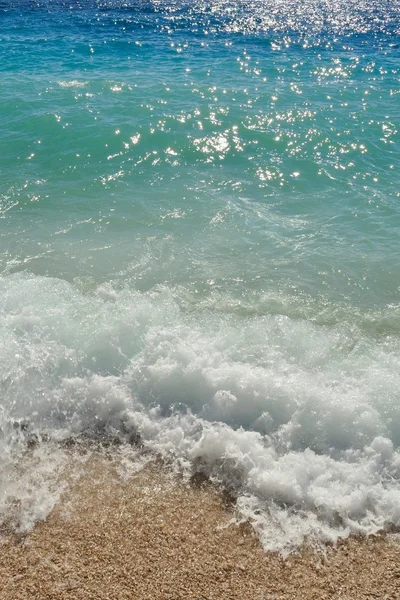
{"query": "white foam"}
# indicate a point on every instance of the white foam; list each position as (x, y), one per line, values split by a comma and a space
(29, 483)
(300, 421)
(72, 83)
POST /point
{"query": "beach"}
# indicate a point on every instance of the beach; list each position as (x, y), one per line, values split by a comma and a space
(199, 299)
(151, 535)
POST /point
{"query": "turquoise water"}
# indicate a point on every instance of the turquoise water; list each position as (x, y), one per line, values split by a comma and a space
(199, 241)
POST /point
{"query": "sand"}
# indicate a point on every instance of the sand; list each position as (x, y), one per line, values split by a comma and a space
(151, 536)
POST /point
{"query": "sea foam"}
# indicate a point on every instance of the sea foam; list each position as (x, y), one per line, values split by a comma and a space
(299, 421)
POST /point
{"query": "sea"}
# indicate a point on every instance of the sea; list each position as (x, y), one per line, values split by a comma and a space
(200, 252)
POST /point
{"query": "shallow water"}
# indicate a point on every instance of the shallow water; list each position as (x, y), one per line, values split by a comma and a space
(199, 246)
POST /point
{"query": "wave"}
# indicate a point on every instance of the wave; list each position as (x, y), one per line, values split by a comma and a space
(300, 421)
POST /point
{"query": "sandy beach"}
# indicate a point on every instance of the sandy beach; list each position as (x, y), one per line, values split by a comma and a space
(151, 536)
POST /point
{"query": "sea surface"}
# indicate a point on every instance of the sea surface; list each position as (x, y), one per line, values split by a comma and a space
(200, 251)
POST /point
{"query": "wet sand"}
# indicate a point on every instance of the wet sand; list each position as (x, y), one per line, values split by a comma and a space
(152, 537)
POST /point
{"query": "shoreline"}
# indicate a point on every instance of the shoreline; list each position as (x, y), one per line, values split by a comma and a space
(147, 535)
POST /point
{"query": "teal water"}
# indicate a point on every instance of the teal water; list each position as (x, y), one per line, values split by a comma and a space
(199, 241)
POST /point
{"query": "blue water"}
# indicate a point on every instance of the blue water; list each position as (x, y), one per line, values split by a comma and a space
(199, 242)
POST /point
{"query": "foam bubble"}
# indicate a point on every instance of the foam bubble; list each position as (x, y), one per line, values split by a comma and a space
(72, 83)
(29, 483)
(300, 421)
